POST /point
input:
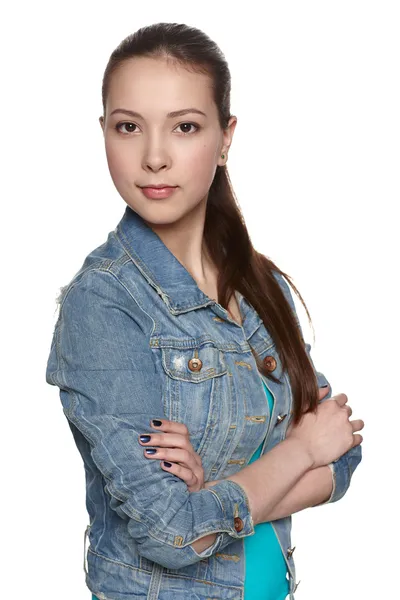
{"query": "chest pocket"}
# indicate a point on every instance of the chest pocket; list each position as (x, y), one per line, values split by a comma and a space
(195, 386)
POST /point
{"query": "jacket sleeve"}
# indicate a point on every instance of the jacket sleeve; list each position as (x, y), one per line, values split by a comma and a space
(101, 360)
(344, 467)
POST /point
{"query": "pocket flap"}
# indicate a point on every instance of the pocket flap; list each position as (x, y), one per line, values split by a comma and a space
(180, 363)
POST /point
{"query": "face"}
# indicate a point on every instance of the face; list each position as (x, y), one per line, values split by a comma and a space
(153, 148)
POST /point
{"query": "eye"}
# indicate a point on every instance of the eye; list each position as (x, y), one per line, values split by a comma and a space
(119, 125)
(190, 124)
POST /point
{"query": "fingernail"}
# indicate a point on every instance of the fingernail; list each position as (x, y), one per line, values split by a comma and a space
(145, 438)
(150, 450)
(167, 464)
(326, 385)
(157, 423)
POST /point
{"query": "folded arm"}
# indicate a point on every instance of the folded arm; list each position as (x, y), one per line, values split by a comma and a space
(322, 485)
(101, 360)
(314, 488)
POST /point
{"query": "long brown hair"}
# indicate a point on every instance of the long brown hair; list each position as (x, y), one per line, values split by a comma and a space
(239, 265)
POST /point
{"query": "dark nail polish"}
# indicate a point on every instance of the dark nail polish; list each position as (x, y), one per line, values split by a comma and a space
(167, 464)
(150, 450)
(145, 438)
(157, 423)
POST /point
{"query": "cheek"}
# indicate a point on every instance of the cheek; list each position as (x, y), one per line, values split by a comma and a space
(120, 160)
(201, 165)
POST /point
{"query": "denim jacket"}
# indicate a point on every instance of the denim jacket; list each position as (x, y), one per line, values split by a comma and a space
(136, 339)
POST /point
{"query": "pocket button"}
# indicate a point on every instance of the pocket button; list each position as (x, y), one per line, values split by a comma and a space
(195, 364)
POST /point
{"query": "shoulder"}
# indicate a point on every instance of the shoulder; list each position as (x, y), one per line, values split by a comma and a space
(282, 280)
(100, 271)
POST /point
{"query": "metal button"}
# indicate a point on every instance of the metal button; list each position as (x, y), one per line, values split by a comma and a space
(290, 552)
(280, 418)
(178, 541)
(195, 364)
(270, 363)
(238, 523)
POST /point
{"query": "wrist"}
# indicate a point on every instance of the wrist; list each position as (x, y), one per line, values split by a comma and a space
(302, 450)
(208, 484)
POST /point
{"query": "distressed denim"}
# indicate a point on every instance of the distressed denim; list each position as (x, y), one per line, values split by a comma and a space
(129, 324)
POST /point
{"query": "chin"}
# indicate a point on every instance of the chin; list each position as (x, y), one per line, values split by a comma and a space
(159, 212)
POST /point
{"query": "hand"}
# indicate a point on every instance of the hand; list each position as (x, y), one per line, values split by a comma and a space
(322, 392)
(173, 445)
(328, 433)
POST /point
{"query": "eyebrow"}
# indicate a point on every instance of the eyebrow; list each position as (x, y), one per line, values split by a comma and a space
(170, 115)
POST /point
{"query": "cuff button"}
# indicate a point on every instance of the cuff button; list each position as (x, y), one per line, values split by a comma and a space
(238, 523)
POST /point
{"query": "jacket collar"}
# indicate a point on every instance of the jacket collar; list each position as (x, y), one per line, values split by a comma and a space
(159, 266)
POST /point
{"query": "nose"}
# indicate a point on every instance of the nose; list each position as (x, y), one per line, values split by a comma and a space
(155, 157)
(154, 165)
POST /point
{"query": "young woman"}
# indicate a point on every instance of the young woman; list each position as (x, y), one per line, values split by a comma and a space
(183, 372)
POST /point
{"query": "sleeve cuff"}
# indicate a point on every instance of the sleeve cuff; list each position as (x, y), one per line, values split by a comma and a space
(236, 522)
(234, 503)
(342, 472)
(330, 499)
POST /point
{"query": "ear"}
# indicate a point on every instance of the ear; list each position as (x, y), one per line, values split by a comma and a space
(228, 133)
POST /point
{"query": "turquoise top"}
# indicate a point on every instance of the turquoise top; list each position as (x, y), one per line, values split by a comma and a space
(265, 577)
(266, 569)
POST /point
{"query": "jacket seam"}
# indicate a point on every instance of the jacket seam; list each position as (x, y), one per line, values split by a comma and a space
(117, 562)
(78, 279)
(166, 572)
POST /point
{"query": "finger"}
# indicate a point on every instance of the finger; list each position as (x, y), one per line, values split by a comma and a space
(198, 460)
(176, 455)
(182, 472)
(357, 424)
(167, 440)
(341, 399)
(357, 439)
(323, 391)
(171, 427)
(348, 410)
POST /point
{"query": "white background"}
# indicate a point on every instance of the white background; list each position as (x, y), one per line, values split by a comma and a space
(315, 166)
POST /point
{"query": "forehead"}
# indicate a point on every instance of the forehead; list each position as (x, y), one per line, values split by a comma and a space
(155, 87)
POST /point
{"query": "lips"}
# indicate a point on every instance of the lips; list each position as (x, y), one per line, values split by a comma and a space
(156, 192)
(157, 187)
